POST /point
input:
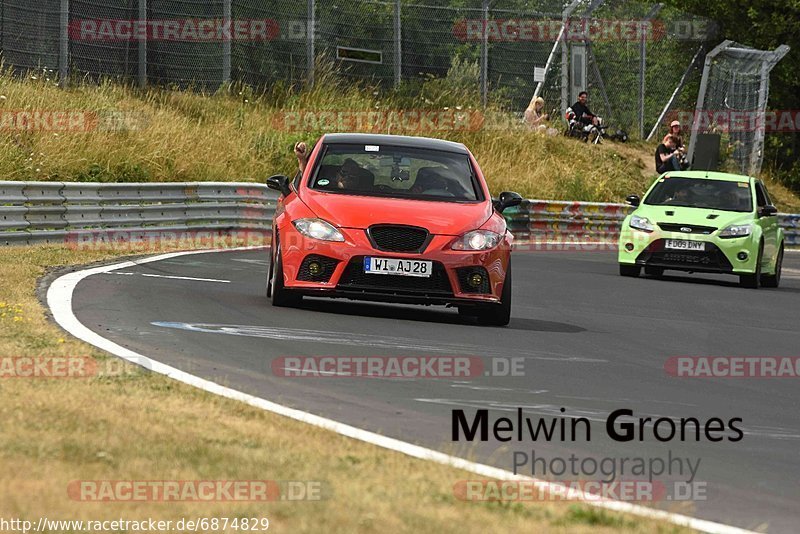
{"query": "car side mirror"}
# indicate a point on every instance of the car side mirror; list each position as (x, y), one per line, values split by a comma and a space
(633, 200)
(507, 199)
(767, 211)
(279, 182)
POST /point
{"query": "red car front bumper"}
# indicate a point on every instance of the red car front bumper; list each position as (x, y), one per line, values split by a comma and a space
(343, 274)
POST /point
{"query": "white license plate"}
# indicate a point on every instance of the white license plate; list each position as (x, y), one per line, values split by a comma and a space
(398, 266)
(679, 244)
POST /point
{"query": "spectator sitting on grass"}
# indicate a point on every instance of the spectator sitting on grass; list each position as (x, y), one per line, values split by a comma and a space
(582, 112)
(535, 117)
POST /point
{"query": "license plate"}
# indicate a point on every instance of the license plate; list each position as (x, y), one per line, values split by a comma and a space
(679, 244)
(398, 266)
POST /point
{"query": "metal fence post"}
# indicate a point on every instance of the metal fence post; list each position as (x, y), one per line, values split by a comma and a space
(142, 72)
(398, 43)
(642, 67)
(701, 94)
(310, 36)
(63, 49)
(758, 142)
(485, 54)
(643, 63)
(226, 43)
(565, 60)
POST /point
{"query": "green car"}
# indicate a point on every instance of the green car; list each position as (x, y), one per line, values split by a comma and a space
(704, 222)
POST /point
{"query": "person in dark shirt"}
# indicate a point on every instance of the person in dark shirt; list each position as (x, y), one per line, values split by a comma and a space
(582, 112)
(667, 155)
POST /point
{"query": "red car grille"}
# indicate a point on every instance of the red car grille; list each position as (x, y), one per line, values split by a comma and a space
(397, 238)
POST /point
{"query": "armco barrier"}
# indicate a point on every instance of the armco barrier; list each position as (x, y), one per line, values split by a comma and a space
(556, 220)
(73, 212)
(59, 212)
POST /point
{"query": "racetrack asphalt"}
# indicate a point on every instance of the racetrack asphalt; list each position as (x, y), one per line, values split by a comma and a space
(591, 342)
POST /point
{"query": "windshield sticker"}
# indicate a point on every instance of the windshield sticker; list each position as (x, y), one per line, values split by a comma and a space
(324, 181)
(372, 148)
(741, 184)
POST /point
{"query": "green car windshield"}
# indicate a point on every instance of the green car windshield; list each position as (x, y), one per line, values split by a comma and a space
(700, 193)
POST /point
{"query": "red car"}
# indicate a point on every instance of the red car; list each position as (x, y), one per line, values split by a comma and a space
(392, 219)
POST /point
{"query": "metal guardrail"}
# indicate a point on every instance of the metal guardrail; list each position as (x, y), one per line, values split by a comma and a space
(592, 221)
(74, 212)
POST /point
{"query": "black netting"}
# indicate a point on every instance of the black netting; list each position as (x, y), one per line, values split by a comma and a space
(30, 33)
(93, 54)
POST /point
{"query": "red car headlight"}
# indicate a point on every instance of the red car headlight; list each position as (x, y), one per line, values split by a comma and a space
(477, 240)
(318, 229)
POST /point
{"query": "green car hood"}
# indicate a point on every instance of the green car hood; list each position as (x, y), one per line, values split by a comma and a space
(689, 216)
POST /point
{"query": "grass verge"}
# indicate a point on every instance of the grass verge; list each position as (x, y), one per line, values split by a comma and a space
(139, 426)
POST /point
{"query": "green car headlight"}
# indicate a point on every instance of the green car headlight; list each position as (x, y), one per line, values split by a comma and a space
(641, 223)
(736, 230)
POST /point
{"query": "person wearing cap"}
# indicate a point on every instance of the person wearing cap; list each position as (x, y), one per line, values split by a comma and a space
(675, 131)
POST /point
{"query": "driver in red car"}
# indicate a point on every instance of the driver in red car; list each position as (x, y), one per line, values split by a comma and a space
(349, 176)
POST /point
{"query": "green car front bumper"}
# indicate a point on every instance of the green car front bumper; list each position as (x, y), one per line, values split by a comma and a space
(737, 255)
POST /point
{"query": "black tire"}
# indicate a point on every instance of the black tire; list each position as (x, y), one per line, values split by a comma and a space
(629, 270)
(753, 281)
(497, 314)
(654, 271)
(281, 297)
(270, 273)
(774, 280)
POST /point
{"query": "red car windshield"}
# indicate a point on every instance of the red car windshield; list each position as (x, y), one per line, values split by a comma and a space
(396, 172)
(699, 193)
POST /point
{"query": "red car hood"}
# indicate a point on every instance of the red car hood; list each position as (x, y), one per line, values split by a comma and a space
(354, 211)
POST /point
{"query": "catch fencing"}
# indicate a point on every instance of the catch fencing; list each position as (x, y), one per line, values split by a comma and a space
(98, 214)
(630, 56)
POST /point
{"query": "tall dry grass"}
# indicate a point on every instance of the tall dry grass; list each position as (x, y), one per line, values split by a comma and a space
(232, 136)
